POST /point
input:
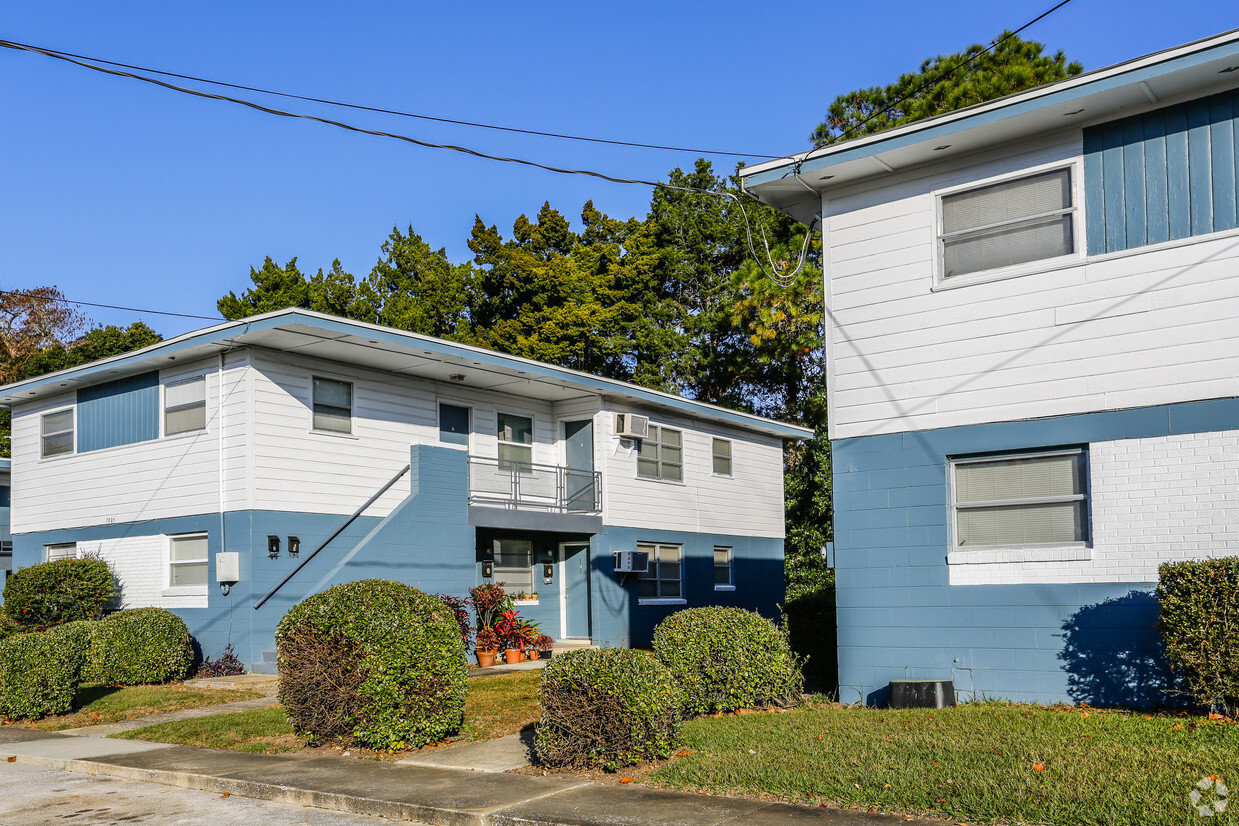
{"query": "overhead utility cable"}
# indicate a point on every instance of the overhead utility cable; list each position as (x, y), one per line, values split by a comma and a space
(382, 111)
(10, 293)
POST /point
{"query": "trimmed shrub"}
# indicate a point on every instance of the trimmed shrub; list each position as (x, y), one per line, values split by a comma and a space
(607, 708)
(40, 596)
(1198, 617)
(140, 646)
(812, 632)
(40, 673)
(727, 658)
(8, 627)
(376, 661)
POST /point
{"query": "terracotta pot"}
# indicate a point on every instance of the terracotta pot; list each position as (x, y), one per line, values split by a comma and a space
(513, 655)
(533, 654)
(487, 658)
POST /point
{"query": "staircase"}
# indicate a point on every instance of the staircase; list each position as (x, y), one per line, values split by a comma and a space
(267, 666)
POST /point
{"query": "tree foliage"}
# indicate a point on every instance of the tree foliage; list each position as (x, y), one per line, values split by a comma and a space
(30, 321)
(1013, 65)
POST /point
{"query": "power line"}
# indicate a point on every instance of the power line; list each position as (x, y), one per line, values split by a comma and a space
(10, 293)
(380, 110)
(349, 127)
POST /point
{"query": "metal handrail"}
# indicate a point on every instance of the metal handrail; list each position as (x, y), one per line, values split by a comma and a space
(519, 477)
(334, 534)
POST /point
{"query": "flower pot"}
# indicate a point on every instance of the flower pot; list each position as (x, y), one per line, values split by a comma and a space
(487, 658)
(533, 654)
(513, 655)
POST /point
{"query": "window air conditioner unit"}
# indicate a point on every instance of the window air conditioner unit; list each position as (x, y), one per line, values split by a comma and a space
(632, 426)
(631, 562)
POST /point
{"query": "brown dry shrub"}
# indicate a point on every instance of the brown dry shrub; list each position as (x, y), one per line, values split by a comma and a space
(320, 675)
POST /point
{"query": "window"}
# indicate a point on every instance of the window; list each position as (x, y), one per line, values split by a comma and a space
(722, 457)
(184, 406)
(333, 405)
(453, 425)
(1008, 223)
(515, 440)
(57, 433)
(660, 455)
(65, 550)
(1028, 499)
(187, 561)
(514, 565)
(722, 568)
(662, 580)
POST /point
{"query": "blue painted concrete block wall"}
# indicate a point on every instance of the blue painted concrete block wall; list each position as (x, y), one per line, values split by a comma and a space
(899, 616)
(618, 619)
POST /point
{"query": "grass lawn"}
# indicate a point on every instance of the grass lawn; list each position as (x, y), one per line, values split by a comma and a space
(96, 704)
(495, 706)
(978, 763)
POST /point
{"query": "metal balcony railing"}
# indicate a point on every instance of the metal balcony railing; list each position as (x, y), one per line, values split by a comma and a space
(507, 484)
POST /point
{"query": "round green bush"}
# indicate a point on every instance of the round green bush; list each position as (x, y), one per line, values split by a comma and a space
(140, 646)
(8, 627)
(376, 661)
(607, 708)
(727, 658)
(40, 672)
(40, 596)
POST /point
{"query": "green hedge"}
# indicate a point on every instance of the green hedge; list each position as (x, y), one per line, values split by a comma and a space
(40, 596)
(140, 646)
(607, 708)
(40, 673)
(727, 658)
(8, 626)
(374, 660)
(1198, 617)
(812, 632)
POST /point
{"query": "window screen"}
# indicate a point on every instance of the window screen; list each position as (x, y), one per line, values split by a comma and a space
(514, 565)
(1021, 500)
(722, 565)
(515, 438)
(57, 433)
(185, 406)
(187, 558)
(1010, 223)
(64, 550)
(333, 405)
(662, 579)
(722, 457)
(661, 455)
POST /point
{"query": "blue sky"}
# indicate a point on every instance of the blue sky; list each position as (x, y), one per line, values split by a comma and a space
(122, 193)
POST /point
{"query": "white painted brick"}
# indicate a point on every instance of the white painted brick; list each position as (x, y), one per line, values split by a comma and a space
(1154, 500)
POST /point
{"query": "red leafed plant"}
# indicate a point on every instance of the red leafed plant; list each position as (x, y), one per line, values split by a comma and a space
(487, 639)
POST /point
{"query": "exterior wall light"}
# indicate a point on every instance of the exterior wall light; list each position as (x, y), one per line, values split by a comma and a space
(488, 569)
(548, 572)
(273, 546)
(294, 546)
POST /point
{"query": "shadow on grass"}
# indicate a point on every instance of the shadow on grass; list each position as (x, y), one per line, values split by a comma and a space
(88, 694)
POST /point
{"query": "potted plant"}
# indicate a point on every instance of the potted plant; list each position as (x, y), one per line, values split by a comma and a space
(488, 600)
(509, 629)
(486, 646)
(543, 645)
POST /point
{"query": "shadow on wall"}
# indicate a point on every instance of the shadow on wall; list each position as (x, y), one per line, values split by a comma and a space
(1114, 657)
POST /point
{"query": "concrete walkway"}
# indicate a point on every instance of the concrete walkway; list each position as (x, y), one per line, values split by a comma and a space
(417, 793)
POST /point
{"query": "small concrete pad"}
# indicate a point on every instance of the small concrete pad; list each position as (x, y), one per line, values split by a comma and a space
(624, 805)
(55, 751)
(502, 755)
(252, 682)
(16, 734)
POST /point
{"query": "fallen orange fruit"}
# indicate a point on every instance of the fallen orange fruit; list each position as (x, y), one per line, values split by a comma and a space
(1040, 767)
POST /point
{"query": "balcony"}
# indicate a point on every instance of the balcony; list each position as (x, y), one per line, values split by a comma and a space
(505, 484)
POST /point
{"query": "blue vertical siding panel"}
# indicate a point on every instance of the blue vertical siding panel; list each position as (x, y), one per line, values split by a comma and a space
(1234, 108)
(1112, 173)
(1156, 207)
(1133, 182)
(1178, 195)
(1222, 158)
(1094, 193)
(1200, 176)
(119, 412)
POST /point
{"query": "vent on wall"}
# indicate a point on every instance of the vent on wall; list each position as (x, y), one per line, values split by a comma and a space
(631, 426)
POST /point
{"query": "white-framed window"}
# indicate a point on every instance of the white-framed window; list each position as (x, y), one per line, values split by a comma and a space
(184, 406)
(61, 550)
(1007, 223)
(660, 455)
(720, 452)
(187, 561)
(1021, 500)
(722, 569)
(514, 565)
(56, 433)
(662, 579)
(515, 441)
(333, 405)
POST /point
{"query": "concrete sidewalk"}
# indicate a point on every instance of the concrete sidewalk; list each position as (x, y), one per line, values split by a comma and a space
(421, 794)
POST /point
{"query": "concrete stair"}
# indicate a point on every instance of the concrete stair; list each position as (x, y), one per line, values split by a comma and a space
(267, 666)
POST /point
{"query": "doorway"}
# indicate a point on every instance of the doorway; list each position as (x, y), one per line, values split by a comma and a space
(574, 590)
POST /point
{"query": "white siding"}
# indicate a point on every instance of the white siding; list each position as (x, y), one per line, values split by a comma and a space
(175, 476)
(140, 565)
(1149, 326)
(748, 503)
(297, 469)
(1154, 500)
